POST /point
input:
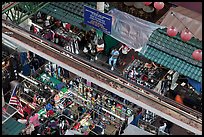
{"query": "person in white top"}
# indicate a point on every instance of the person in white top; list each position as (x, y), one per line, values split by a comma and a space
(113, 58)
(124, 50)
(161, 129)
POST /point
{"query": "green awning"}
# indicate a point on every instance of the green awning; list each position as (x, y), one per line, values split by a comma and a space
(12, 127)
(173, 63)
(69, 12)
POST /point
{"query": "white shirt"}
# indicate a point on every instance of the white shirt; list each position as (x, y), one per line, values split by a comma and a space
(125, 50)
(23, 121)
(162, 128)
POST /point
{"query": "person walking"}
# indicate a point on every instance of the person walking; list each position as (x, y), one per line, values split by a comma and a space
(113, 58)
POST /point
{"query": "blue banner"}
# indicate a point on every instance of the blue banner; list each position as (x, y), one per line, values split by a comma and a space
(97, 19)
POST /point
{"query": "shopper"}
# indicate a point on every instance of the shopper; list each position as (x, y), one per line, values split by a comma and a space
(168, 127)
(124, 49)
(162, 127)
(124, 125)
(113, 58)
(179, 98)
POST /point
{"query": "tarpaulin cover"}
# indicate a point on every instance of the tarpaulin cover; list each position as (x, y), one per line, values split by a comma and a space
(130, 30)
(197, 85)
(133, 130)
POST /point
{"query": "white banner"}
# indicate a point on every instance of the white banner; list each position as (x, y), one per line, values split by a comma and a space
(130, 30)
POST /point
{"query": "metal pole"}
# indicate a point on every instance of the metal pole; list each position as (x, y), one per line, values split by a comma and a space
(3, 101)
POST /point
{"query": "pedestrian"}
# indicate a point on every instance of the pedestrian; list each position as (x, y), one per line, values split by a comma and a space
(162, 127)
(124, 50)
(179, 98)
(113, 58)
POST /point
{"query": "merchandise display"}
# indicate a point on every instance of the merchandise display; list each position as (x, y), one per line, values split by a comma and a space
(81, 105)
(100, 68)
(144, 74)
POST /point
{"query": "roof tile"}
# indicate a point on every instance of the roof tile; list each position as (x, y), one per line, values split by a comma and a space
(174, 63)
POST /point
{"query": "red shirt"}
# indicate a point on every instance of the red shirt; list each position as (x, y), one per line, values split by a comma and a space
(35, 30)
(27, 109)
(68, 26)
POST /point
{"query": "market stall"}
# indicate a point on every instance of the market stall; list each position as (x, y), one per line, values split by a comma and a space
(145, 74)
(79, 92)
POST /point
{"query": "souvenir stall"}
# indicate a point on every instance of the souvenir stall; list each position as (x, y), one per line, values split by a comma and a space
(34, 95)
(60, 115)
(144, 119)
(145, 74)
(63, 34)
(87, 109)
(68, 39)
(147, 127)
(106, 102)
(113, 110)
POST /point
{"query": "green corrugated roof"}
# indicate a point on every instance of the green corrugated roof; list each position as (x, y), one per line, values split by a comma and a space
(174, 54)
(175, 46)
(174, 63)
(71, 12)
(12, 127)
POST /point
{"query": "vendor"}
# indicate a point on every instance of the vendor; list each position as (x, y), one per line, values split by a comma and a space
(150, 65)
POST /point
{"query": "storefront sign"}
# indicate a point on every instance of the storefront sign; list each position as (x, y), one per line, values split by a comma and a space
(97, 19)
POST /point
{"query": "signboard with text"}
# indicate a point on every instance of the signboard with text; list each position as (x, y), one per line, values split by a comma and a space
(97, 19)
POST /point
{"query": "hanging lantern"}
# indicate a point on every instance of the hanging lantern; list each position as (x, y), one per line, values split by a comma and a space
(147, 3)
(159, 5)
(172, 31)
(197, 55)
(186, 35)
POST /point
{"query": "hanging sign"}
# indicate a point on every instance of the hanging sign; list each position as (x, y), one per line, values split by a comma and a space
(97, 19)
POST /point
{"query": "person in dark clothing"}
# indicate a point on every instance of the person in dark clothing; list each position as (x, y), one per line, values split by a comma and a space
(124, 125)
(168, 127)
(117, 132)
(31, 28)
(35, 63)
(65, 73)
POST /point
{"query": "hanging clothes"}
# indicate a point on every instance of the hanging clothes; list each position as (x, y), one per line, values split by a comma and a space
(88, 83)
(23, 57)
(136, 119)
(29, 129)
(76, 46)
(165, 86)
(52, 35)
(100, 45)
(35, 62)
(35, 120)
(59, 71)
(158, 87)
(26, 70)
